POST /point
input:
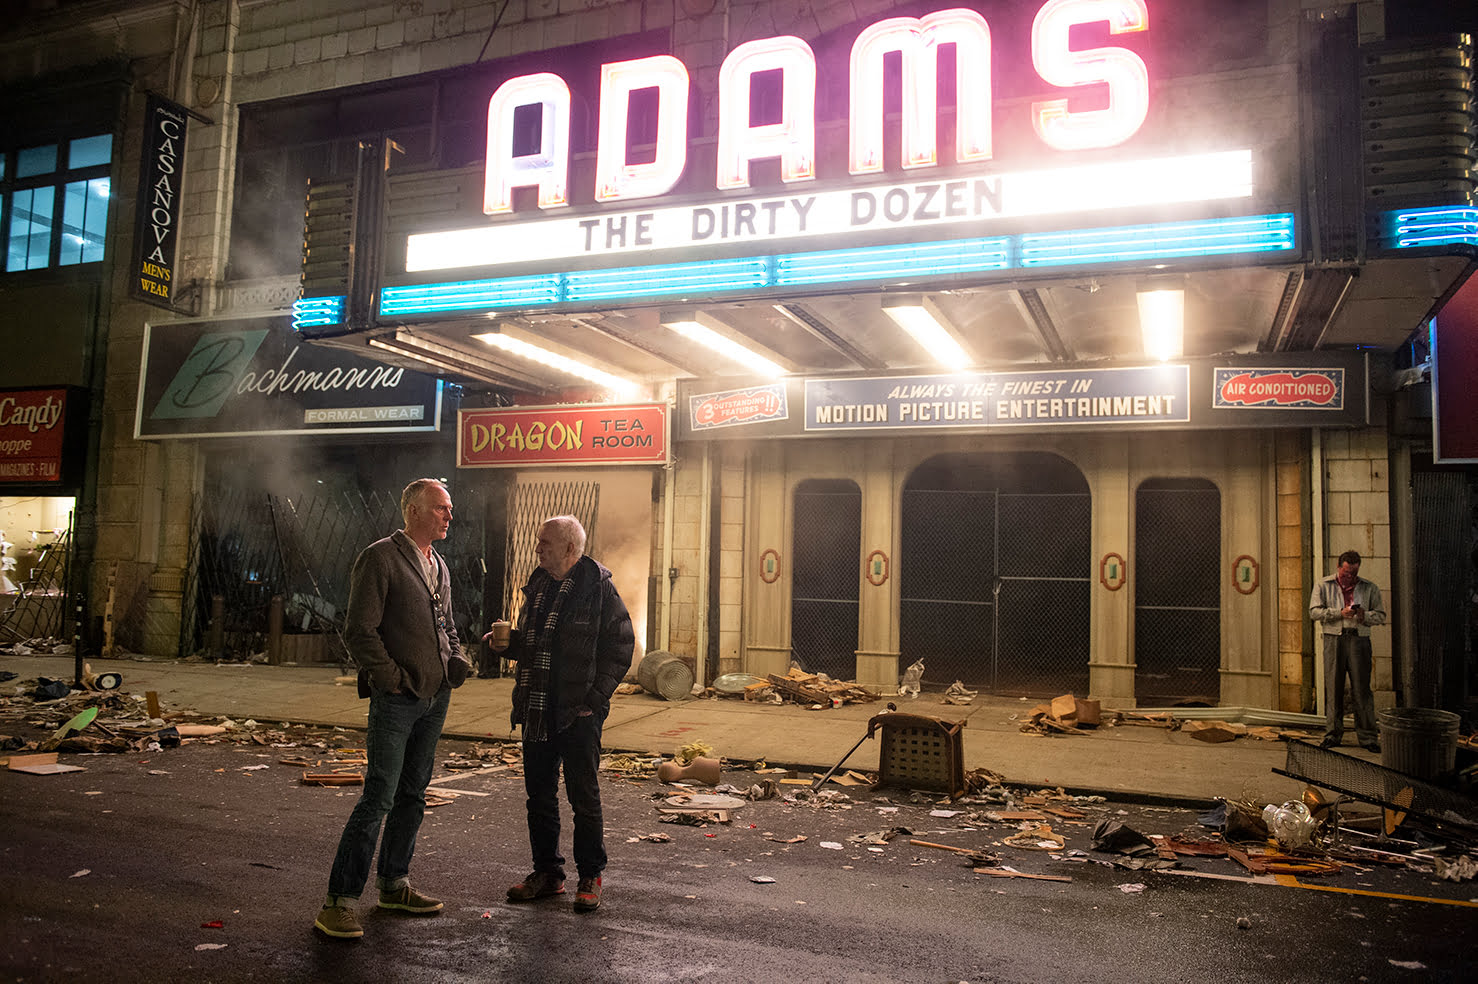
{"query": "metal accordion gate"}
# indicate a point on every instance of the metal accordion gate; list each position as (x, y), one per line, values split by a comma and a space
(530, 504)
(825, 583)
(995, 590)
(1177, 585)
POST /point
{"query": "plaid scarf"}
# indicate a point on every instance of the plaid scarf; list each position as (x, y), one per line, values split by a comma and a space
(534, 672)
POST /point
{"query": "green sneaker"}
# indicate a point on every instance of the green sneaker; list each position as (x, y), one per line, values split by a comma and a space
(407, 899)
(339, 921)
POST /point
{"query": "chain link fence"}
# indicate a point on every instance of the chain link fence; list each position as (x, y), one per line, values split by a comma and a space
(1177, 585)
(993, 589)
(39, 608)
(824, 584)
(249, 547)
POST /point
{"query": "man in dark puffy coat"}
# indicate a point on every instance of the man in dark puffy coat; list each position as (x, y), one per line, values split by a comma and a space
(573, 644)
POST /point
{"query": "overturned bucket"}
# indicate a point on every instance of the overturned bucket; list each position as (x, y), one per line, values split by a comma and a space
(665, 674)
(1418, 741)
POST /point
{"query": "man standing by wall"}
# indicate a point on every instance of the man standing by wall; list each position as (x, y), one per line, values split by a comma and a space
(399, 630)
(1346, 605)
(573, 645)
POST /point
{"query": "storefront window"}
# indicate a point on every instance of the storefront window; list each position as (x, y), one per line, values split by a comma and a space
(37, 233)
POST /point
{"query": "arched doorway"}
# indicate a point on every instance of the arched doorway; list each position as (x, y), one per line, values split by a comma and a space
(996, 556)
(1177, 585)
(824, 586)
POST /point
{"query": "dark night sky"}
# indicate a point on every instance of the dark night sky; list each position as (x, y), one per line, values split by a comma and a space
(1411, 18)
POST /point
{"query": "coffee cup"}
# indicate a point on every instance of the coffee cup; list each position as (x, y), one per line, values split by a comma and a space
(501, 630)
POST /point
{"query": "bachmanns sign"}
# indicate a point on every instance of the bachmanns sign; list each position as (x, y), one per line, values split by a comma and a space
(1102, 99)
(256, 377)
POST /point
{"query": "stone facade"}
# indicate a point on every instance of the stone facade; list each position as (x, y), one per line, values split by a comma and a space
(733, 499)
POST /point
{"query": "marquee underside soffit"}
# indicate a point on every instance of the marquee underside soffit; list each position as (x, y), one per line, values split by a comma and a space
(1080, 319)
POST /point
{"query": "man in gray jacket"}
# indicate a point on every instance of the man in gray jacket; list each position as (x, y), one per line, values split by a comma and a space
(1346, 605)
(399, 630)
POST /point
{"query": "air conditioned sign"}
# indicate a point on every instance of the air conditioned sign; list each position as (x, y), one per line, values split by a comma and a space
(1292, 389)
(599, 434)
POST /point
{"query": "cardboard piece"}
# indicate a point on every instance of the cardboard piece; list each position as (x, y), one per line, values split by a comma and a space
(42, 764)
(1213, 731)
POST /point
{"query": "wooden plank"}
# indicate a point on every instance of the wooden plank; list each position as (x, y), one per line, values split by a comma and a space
(998, 873)
(463, 775)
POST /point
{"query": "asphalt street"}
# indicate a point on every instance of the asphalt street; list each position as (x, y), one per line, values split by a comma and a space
(207, 863)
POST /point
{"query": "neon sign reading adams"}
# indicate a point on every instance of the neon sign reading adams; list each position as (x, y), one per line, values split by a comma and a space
(1118, 73)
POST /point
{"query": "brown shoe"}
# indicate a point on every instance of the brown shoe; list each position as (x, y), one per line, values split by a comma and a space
(407, 899)
(587, 894)
(539, 885)
(339, 921)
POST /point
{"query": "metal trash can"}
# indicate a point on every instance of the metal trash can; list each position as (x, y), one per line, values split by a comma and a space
(665, 674)
(1418, 741)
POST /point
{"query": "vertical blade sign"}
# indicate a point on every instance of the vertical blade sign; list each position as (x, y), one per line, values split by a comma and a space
(157, 217)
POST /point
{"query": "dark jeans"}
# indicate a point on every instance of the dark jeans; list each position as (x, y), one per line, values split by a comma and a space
(578, 747)
(1342, 654)
(401, 748)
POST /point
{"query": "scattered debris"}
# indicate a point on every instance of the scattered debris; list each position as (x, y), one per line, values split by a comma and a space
(694, 818)
(43, 764)
(1213, 732)
(956, 693)
(912, 680)
(1292, 825)
(973, 854)
(1463, 869)
(1013, 873)
(698, 769)
(333, 779)
(1064, 715)
(785, 840)
(1036, 837)
(878, 836)
(819, 690)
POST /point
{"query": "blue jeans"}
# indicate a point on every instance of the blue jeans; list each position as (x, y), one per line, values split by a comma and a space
(401, 749)
(578, 747)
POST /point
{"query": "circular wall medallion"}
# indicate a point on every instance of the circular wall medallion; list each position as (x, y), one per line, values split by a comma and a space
(1112, 571)
(1244, 574)
(770, 565)
(877, 568)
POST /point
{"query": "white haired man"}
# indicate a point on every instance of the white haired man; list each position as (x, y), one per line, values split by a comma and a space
(573, 645)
